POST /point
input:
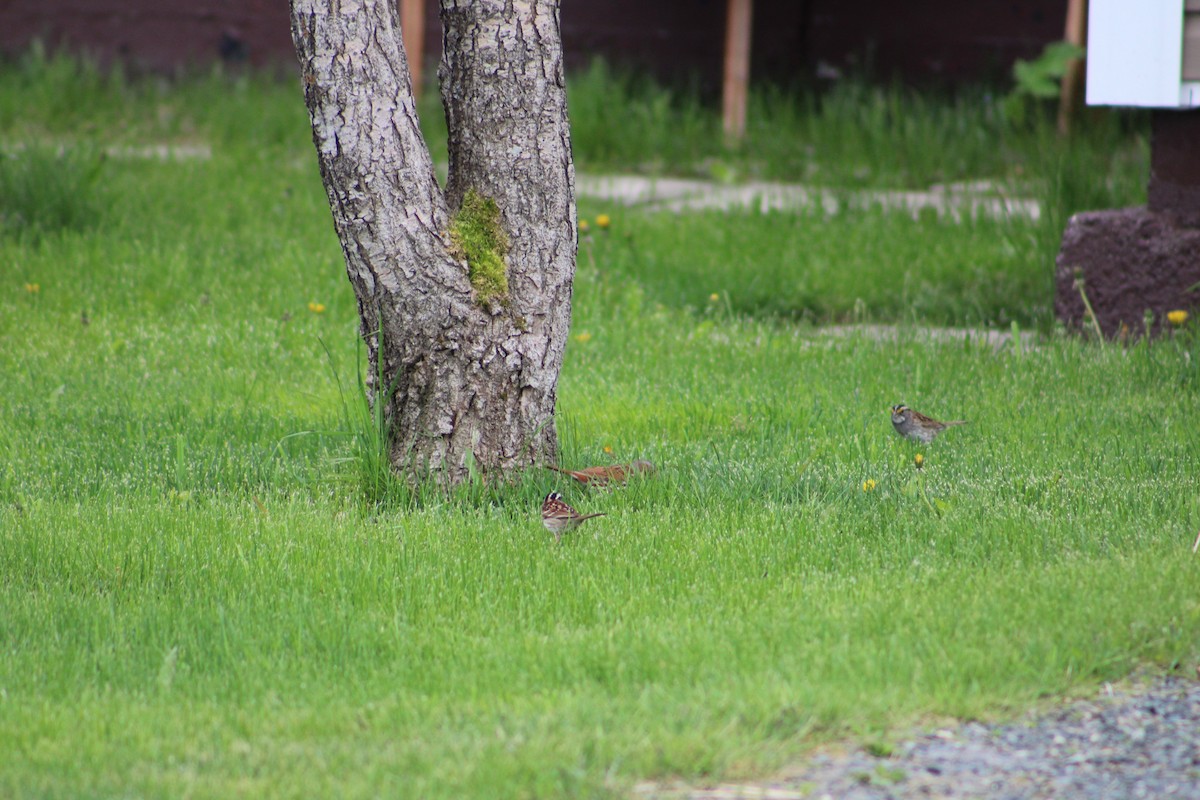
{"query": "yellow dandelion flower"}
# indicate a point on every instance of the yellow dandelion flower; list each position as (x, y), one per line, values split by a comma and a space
(714, 297)
(869, 485)
(583, 225)
(316, 308)
(1177, 317)
(919, 460)
(583, 337)
(602, 221)
(33, 288)
(608, 449)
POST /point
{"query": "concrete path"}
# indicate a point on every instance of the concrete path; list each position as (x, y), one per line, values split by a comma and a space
(958, 200)
(962, 200)
(995, 339)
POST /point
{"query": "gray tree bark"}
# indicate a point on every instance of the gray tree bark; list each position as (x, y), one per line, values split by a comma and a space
(472, 371)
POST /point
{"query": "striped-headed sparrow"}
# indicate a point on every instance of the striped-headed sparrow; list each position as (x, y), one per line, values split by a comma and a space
(559, 518)
(916, 426)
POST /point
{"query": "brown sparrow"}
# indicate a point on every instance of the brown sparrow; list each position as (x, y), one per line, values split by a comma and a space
(559, 518)
(601, 476)
(916, 426)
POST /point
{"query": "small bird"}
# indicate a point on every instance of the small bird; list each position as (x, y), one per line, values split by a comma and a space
(559, 518)
(601, 476)
(918, 427)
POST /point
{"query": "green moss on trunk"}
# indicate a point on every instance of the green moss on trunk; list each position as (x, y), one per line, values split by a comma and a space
(476, 235)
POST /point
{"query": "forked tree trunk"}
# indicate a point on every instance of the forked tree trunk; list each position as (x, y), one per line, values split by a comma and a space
(471, 366)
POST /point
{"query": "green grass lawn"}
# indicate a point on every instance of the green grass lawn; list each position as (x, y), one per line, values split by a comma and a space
(197, 599)
(856, 266)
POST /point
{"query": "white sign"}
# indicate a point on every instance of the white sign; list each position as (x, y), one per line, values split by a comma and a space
(1135, 55)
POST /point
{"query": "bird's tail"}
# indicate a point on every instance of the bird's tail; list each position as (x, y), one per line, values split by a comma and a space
(956, 422)
(582, 477)
(577, 476)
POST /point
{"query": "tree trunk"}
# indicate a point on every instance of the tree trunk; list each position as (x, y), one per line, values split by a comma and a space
(473, 316)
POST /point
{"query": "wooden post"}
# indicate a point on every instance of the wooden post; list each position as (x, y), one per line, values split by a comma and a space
(1072, 81)
(737, 68)
(412, 31)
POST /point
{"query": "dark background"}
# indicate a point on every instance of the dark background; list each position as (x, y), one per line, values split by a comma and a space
(945, 41)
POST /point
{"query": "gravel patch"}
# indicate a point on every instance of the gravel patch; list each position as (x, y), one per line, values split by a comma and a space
(1141, 741)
